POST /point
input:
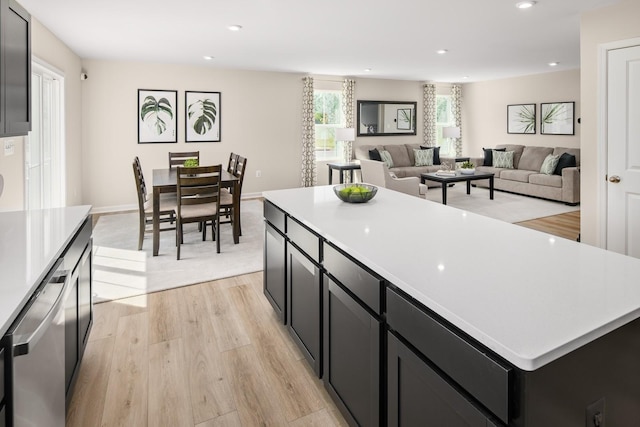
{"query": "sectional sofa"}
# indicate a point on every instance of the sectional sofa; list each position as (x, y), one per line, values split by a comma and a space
(525, 175)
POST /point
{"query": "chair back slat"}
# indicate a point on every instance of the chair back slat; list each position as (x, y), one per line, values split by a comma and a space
(233, 160)
(241, 167)
(141, 187)
(178, 158)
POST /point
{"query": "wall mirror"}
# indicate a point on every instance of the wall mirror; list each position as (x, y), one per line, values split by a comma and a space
(382, 118)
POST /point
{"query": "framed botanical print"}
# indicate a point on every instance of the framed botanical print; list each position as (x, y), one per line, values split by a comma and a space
(521, 118)
(556, 118)
(157, 116)
(202, 116)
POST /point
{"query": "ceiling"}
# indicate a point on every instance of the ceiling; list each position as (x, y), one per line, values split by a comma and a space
(485, 39)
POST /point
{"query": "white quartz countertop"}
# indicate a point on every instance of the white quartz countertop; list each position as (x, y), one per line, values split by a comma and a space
(30, 244)
(528, 296)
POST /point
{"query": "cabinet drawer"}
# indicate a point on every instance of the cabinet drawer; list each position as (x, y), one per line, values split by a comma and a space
(481, 376)
(303, 238)
(275, 216)
(362, 283)
(78, 245)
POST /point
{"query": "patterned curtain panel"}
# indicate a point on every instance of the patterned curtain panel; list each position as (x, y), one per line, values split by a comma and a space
(456, 107)
(309, 173)
(348, 99)
(429, 110)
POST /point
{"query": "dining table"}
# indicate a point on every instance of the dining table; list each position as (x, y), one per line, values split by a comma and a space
(165, 181)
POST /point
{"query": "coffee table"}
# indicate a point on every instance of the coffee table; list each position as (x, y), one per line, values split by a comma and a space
(446, 180)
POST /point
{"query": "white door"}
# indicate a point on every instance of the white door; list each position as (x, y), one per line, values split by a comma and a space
(623, 151)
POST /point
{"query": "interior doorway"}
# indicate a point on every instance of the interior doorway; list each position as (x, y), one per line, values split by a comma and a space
(44, 147)
(623, 149)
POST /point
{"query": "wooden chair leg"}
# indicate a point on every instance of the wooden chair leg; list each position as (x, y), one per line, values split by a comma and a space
(217, 222)
(141, 233)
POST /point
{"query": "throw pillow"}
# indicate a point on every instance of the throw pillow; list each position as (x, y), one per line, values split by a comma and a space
(386, 157)
(566, 160)
(436, 154)
(502, 159)
(549, 164)
(375, 155)
(488, 155)
(423, 157)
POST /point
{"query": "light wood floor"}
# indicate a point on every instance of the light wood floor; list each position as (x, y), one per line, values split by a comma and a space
(565, 225)
(206, 355)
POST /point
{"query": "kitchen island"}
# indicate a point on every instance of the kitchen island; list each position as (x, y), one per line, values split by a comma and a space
(529, 328)
(45, 311)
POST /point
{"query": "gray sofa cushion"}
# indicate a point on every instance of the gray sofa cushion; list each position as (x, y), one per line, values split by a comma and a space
(410, 148)
(516, 174)
(399, 154)
(533, 157)
(517, 153)
(548, 180)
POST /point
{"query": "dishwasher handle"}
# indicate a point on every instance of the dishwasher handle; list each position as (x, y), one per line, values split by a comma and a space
(40, 313)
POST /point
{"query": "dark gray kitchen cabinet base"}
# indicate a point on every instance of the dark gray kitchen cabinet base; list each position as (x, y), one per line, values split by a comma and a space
(274, 275)
(418, 396)
(351, 356)
(304, 295)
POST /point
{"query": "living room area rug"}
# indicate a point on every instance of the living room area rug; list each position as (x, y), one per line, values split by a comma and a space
(121, 271)
(506, 207)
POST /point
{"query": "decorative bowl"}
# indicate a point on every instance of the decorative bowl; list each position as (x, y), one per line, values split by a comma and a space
(355, 193)
(467, 171)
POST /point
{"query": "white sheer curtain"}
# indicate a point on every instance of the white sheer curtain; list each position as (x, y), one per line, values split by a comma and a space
(309, 172)
(456, 109)
(348, 99)
(429, 114)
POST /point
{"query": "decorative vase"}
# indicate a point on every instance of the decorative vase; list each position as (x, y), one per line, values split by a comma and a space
(467, 171)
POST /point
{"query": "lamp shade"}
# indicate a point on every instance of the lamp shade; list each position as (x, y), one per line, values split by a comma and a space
(345, 134)
(451, 132)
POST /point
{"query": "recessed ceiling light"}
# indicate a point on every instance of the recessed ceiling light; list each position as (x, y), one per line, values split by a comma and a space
(441, 51)
(367, 70)
(465, 77)
(235, 27)
(525, 4)
(553, 64)
(208, 57)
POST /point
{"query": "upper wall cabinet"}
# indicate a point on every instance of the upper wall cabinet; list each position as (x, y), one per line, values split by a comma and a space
(15, 69)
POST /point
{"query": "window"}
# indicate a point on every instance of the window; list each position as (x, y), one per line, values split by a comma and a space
(327, 117)
(444, 118)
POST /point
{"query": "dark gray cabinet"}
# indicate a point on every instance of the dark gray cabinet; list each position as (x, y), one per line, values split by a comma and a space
(78, 312)
(15, 69)
(352, 338)
(304, 298)
(418, 396)
(275, 259)
(3, 414)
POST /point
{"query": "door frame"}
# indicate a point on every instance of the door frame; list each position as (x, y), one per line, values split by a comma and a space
(602, 152)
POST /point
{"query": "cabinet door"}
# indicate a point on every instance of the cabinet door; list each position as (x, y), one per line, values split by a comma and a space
(274, 272)
(351, 356)
(418, 396)
(304, 301)
(16, 79)
(85, 312)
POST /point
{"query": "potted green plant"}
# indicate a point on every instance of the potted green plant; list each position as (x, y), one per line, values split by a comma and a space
(467, 168)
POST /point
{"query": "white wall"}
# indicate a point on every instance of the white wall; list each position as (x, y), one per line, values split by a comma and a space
(260, 119)
(12, 171)
(618, 22)
(484, 112)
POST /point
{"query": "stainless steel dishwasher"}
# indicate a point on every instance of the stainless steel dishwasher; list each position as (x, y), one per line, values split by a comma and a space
(37, 350)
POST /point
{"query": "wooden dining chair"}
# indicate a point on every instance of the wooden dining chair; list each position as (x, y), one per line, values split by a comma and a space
(145, 206)
(226, 201)
(233, 160)
(178, 158)
(198, 200)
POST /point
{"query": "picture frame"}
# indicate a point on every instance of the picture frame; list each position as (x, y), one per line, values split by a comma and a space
(202, 116)
(521, 119)
(557, 118)
(403, 119)
(157, 116)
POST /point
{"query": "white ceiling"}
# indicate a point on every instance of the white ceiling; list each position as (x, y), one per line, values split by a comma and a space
(486, 39)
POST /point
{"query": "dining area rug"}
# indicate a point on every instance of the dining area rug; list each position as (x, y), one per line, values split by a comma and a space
(121, 271)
